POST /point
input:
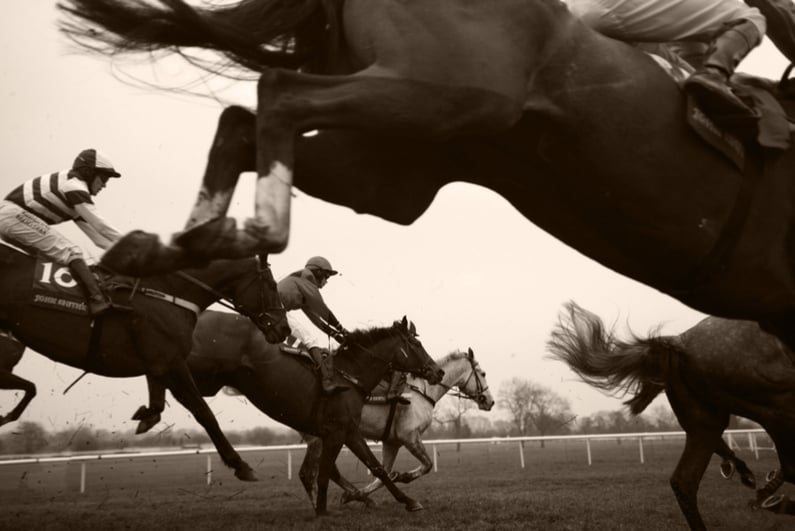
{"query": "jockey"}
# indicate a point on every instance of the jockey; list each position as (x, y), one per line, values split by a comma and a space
(29, 210)
(732, 28)
(301, 291)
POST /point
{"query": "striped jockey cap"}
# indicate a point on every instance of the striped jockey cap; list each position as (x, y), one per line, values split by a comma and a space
(95, 160)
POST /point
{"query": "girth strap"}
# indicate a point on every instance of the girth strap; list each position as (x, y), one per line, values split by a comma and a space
(176, 301)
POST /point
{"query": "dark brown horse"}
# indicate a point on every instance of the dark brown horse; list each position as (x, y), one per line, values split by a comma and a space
(286, 387)
(586, 136)
(152, 339)
(716, 369)
(399, 425)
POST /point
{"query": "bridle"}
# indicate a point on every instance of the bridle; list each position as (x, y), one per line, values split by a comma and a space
(480, 389)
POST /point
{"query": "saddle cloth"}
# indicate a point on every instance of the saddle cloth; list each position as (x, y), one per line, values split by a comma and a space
(55, 288)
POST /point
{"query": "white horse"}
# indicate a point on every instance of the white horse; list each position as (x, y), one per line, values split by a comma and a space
(409, 422)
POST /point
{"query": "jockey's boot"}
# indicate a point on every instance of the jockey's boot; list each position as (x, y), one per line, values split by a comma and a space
(709, 85)
(325, 361)
(98, 303)
(393, 392)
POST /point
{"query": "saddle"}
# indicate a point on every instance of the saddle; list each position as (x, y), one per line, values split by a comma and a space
(773, 103)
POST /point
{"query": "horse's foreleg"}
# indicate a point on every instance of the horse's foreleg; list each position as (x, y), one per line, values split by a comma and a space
(291, 103)
(232, 153)
(208, 232)
(388, 456)
(731, 463)
(356, 443)
(178, 380)
(11, 381)
(417, 449)
(149, 415)
(332, 444)
(309, 467)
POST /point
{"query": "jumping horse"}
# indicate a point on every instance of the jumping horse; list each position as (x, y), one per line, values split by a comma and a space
(286, 387)
(398, 425)
(713, 370)
(153, 338)
(585, 135)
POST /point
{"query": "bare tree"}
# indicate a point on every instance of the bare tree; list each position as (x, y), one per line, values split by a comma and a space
(533, 406)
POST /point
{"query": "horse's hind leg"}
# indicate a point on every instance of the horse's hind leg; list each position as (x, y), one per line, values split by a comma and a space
(179, 381)
(11, 381)
(689, 471)
(11, 352)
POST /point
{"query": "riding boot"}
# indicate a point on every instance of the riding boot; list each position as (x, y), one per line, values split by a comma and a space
(395, 385)
(325, 362)
(98, 303)
(709, 85)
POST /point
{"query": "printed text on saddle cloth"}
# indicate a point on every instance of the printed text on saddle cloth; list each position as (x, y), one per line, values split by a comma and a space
(55, 288)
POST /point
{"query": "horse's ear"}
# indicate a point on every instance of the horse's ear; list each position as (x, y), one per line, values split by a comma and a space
(412, 329)
(404, 322)
(471, 354)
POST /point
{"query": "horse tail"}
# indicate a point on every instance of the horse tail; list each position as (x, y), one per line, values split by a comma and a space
(640, 366)
(256, 34)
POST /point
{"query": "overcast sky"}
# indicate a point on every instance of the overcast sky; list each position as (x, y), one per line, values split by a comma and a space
(471, 272)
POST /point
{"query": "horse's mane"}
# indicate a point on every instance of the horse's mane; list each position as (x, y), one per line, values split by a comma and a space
(365, 337)
(256, 34)
(454, 355)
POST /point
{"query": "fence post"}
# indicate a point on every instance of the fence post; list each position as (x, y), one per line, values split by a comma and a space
(753, 445)
(588, 450)
(521, 453)
(82, 477)
(209, 469)
(435, 464)
(289, 464)
(640, 445)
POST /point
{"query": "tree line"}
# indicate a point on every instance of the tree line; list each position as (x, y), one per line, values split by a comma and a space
(529, 409)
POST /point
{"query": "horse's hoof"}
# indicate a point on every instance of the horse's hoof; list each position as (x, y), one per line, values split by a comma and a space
(414, 505)
(245, 473)
(774, 503)
(727, 469)
(141, 413)
(208, 239)
(771, 475)
(147, 424)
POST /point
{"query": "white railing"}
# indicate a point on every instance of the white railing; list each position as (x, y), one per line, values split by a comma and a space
(84, 459)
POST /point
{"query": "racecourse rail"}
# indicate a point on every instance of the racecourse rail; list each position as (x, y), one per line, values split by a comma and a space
(732, 436)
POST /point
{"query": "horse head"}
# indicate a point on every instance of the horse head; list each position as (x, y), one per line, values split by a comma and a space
(256, 297)
(412, 356)
(475, 386)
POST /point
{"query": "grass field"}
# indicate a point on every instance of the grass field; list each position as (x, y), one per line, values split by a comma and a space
(477, 487)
